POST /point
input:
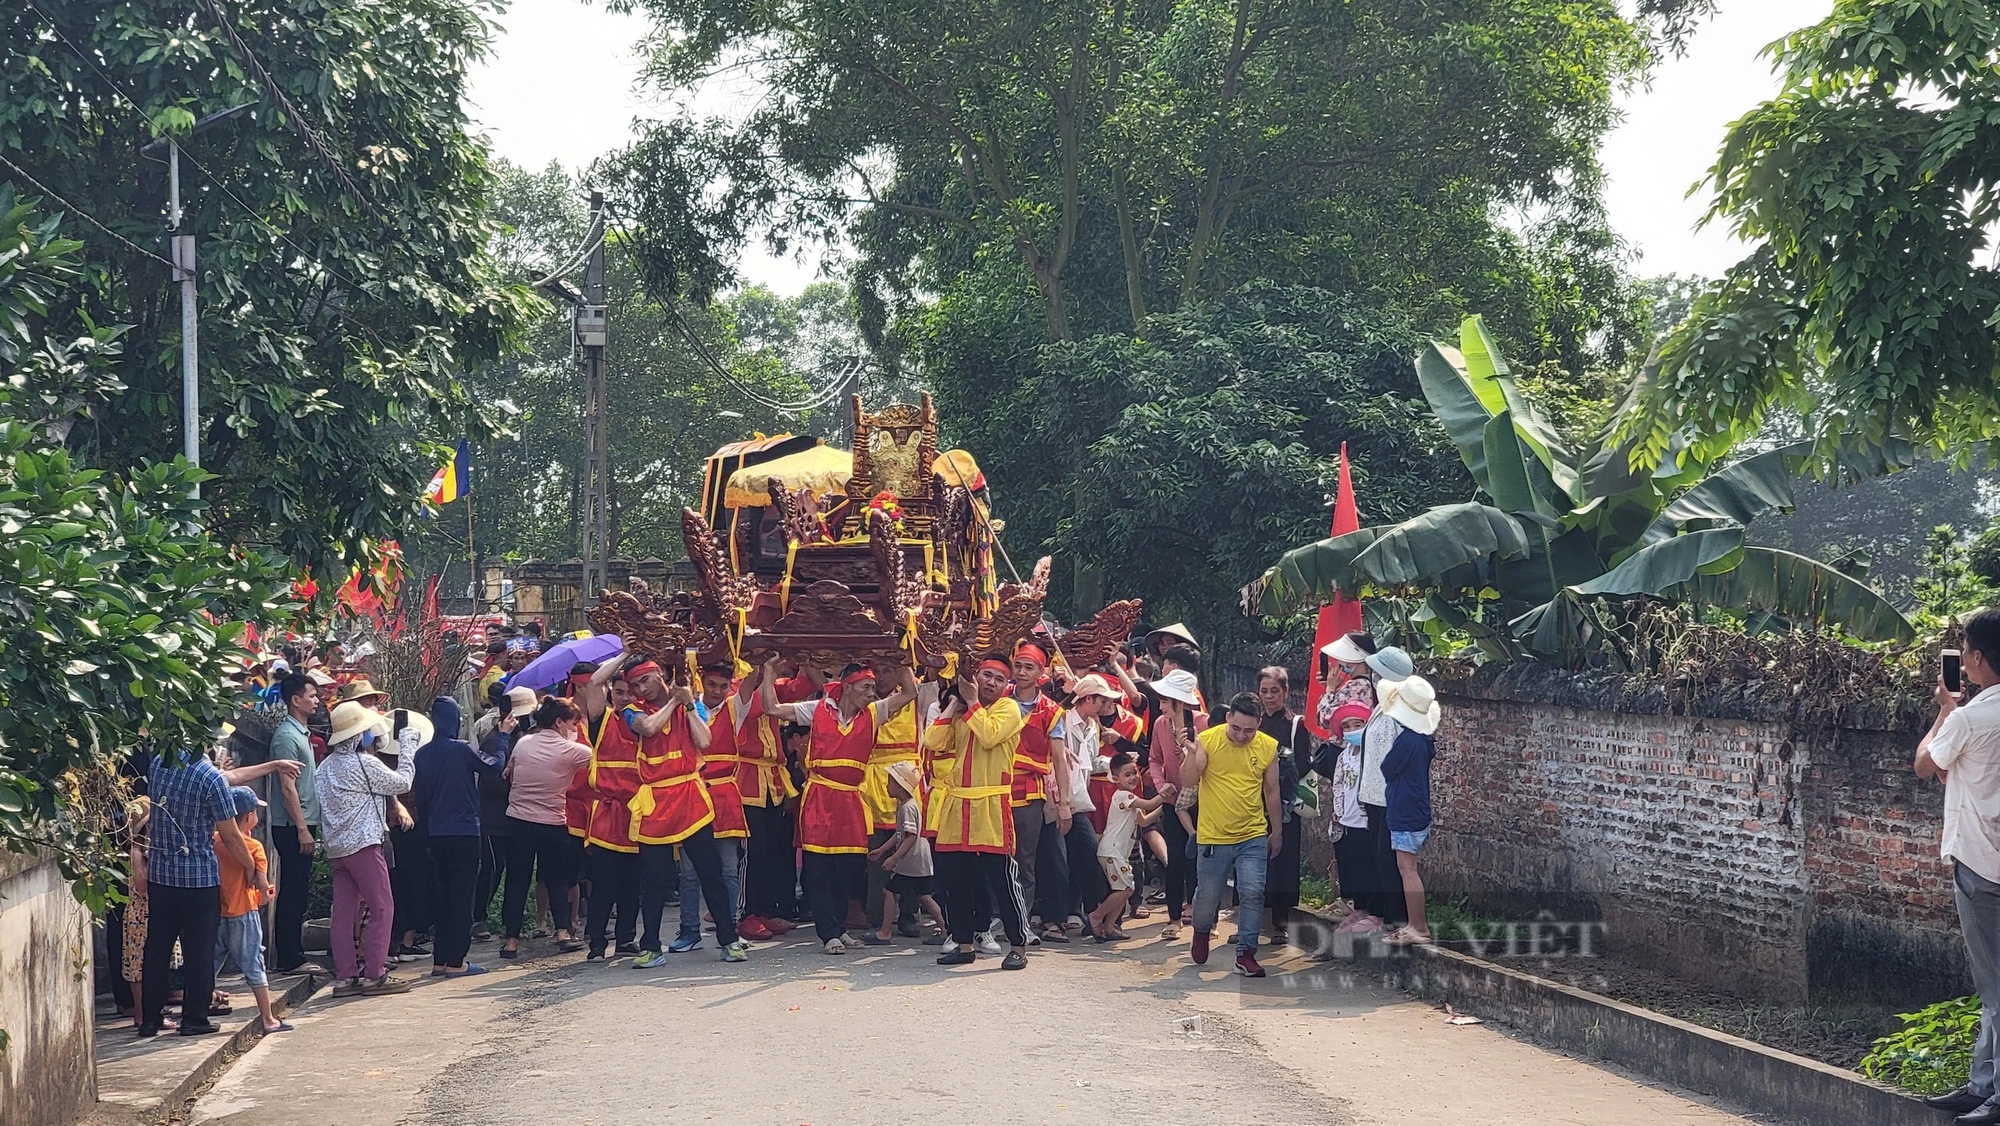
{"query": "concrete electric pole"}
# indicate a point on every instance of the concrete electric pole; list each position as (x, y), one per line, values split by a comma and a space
(591, 337)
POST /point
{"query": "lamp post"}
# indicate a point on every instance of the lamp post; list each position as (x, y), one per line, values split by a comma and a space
(185, 275)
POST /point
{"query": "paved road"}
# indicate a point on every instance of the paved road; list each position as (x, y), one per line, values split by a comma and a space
(796, 1037)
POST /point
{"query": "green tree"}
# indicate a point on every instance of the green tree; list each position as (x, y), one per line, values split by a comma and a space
(119, 616)
(666, 402)
(1868, 303)
(346, 288)
(1535, 561)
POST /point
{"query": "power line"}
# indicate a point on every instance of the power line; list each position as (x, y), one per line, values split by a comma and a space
(298, 120)
(575, 261)
(81, 213)
(820, 399)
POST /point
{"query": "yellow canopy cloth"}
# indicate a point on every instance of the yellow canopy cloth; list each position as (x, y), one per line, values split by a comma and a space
(823, 469)
(958, 468)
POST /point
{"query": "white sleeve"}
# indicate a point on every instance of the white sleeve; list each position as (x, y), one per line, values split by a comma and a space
(1949, 742)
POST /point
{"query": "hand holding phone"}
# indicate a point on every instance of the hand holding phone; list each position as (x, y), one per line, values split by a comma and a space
(1951, 666)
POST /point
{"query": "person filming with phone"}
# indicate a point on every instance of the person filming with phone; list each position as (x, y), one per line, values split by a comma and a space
(1962, 748)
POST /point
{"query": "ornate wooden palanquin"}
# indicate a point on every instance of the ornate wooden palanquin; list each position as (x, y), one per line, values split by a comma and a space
(893, 452)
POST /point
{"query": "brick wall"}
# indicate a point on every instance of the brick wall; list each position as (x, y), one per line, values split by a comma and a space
(1750, 853)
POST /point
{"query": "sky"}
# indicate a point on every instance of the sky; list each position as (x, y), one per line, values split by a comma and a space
(561, 84)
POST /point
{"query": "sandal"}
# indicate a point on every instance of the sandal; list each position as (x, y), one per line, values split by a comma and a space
(870, 938)
(1112, 934)
(1054, 933)
(1407, 937)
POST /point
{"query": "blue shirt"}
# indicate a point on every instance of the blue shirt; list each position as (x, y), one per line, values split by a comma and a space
(187, 802)
(445, 798)
(1407, 770)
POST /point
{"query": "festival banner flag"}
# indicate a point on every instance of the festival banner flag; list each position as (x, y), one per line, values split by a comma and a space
(453, 479)
(1341, 616)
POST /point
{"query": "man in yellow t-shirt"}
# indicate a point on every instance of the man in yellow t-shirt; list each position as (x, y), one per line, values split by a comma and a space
(1234, 769)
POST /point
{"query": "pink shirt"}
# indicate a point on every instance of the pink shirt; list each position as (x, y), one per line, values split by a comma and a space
(1164, 762)
(542, 764)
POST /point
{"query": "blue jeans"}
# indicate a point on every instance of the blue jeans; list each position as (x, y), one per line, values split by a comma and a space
(1213, 864)
(242, 937)
(730, 849)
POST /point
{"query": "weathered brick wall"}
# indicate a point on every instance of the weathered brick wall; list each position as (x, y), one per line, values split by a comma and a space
(1740, 851)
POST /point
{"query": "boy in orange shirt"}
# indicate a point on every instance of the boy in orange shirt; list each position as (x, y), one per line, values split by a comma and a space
(242, 931)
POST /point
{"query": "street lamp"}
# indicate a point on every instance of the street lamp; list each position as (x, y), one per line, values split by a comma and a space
(184, 274)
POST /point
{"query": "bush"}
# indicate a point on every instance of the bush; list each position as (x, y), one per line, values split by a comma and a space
(1932, 1052)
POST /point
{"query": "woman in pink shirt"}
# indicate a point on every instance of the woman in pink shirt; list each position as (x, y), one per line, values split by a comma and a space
(540, 768)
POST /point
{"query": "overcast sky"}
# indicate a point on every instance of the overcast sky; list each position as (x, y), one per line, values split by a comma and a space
(561, 85)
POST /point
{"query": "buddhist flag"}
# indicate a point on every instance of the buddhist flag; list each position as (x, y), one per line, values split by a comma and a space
(1342, 616)
(453, 480)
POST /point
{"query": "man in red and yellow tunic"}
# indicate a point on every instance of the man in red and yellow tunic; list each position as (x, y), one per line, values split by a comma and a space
(610, 854)
(764, 785)
(672, 811)
(718, 772)
(975, 827)
(833, 820)
(1035, 814)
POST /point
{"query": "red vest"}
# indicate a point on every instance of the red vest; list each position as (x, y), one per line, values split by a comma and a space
(672, 803)
(832, 818)
(718, 770)
(1032, 757)
(761, 779)
(614, 780)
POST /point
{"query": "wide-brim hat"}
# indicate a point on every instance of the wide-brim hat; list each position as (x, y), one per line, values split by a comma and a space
(1415, 706)
(906, 776)
(1178, 631)
(520, 702)
(1181, 685)
(350, 719)
(426, 730)
(361, 689)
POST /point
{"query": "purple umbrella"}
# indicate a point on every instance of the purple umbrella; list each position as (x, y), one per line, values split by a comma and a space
(550, 668)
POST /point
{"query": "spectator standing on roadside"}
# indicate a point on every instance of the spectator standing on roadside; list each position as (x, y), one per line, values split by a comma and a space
(241, 935)
(1391, 666)
(1963, 748)
(445, 799)
(494, 735)
(293, 820)
(1288, 728)
(352, 784)
(191, 811)
(1407, 771)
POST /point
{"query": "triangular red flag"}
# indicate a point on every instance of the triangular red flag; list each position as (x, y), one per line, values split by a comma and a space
(1341, 616)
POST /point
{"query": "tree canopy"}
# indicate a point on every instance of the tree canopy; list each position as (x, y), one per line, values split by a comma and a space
(1867, 188)
(342, 233)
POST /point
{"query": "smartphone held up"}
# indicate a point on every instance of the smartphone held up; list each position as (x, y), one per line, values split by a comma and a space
(1951, 670)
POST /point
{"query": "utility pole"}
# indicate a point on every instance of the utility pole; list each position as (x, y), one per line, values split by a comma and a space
(591, 336)
(184, 274)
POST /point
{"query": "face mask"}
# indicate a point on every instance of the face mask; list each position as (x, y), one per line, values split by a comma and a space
(1353, 737)
(368, 738)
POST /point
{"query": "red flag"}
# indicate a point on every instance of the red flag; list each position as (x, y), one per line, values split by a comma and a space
(1342, 616)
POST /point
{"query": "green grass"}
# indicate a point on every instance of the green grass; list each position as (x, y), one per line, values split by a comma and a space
(1455, 919)
(1315, 891)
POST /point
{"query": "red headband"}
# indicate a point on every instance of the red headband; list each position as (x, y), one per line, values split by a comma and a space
(1031, 650)
(641, 669)
(857, 677)
(994, 663)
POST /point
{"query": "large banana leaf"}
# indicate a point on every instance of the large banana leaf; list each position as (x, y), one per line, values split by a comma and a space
(1657, 569)
(1802, 590)
(1423, 549)
(1737, 494)
(1468, 387)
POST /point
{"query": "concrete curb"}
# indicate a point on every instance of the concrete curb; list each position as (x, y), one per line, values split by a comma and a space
(1762, 1080)
(231, 1046)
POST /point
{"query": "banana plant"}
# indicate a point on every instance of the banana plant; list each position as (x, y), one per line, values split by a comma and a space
(1535, 559)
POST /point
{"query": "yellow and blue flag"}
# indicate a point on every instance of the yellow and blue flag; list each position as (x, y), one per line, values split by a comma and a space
(453, 480)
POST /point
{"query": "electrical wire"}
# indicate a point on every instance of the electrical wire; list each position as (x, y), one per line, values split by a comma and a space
(574, 261)
(694, 340)
(298, 120)
(82, 214)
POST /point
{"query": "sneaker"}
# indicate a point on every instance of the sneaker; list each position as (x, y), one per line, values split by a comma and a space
(482, 933)
(596, 954)
(908, 928)
(956, 957)
(629, 949)
(1246, 964)
(835, 946)
(384, 985)
(1171, 932)
(1199, 953)
(1034, 939)
(774, 924)
(1015, 960)
(738, 951)
(754, 929)
(1073, 925)
(651, 959)
(349, 988)
(683, 943)
(987, 944)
